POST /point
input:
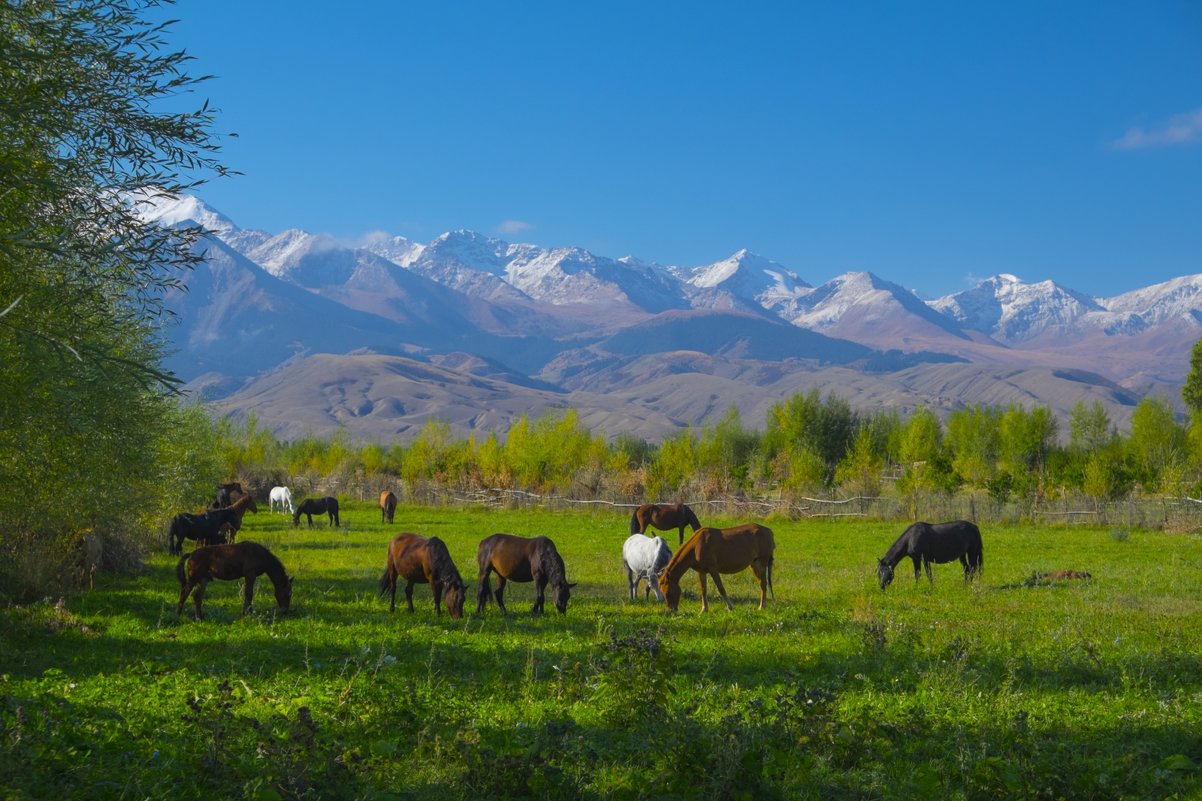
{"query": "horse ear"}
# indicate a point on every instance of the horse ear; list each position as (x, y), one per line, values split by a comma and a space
(571, 585)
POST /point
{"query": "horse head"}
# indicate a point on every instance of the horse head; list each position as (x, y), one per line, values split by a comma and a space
(562, 591)
(454, 594)
(283, 594)
(884, 572)
(670, 590)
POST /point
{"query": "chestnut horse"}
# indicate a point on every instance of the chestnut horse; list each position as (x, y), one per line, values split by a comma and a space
(664, 517)
(243, 560)
(387, 506)
(925, 543)
(712, 551)
(423, 561)
(316, 506)
(522, 559)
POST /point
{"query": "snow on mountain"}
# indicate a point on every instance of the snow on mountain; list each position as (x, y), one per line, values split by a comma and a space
(1011, 310)
(306, 259)
(1179, 299)
(174, 210)
(397, 249)
(747, 277)
(864, 308)
(568, 276)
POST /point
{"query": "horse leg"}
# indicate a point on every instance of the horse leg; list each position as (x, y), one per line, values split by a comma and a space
(248, 594)
(632, 580)
(485, 591)
(409, 595)
(917, 566)
(705, 601)
(761, 575)
(184, 592)
(500, 594)
(392, 586)
(436, 587)
(926, 563)
(540, 593)
(722, 591)
(198, 596)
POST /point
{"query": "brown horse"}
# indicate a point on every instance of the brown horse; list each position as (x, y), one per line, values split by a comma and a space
(712, 551)
(387, 506)
(664, 517)
(423, 561)
(522, 559)
(243, 560)
(240, 507)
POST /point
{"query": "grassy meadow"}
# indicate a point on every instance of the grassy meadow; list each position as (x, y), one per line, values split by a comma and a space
(1008, 688)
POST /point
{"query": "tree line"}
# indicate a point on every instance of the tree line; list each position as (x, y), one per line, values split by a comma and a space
(809, 445)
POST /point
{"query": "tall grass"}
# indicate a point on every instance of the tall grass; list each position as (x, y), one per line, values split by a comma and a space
(1010, 687)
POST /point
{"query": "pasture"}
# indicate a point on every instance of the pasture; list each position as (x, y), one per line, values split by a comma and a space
(1010, 687)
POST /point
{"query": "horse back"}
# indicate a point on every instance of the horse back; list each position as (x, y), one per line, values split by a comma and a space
(731, 549)
(408, 557)
(945, 542)
(510, 556)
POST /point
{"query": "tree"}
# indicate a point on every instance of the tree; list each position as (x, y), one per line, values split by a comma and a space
(1191, 393)
(83, 400)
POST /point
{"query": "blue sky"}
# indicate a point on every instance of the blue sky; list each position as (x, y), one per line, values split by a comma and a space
(933, 144)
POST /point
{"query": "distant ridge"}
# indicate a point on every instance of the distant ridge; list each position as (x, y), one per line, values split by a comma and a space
(524, 324)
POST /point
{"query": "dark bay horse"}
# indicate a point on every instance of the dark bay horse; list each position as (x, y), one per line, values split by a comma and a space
(243, 560)
(208, 528)
(522, 559)
(387, 506)
(927, 543)
(226, 495)
(664, 517)
(419, 560)
(713, 551)
(316, 506)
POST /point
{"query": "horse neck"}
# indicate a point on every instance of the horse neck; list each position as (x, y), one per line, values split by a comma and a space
(552, 564)
(680, 563)
(897, 551)
(274, 569)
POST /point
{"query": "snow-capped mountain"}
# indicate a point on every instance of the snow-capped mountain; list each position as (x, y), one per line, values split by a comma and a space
(865, 308)
(1011, 310)
(745, 279)
(569, 320)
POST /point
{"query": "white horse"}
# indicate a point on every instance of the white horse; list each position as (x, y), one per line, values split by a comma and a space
(281, 498)
(644, 557)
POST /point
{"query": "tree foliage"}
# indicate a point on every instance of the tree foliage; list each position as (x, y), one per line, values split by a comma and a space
(83, 401)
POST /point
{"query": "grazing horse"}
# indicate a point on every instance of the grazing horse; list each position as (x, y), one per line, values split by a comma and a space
(644, 557)
(243, 560)
(387, 506)
(712, 551)
(317, 506)
(423, 561)
(522, 559)
(205, 528)
(664, 517)
(925, 543)
(281, 499)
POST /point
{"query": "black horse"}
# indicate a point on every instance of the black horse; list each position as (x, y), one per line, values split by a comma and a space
(925, 543)
(225, 495)
(204, 528)
(317, 506)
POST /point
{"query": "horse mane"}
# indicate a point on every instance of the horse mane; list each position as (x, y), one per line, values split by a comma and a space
(897, 551)
(441, 564)
(551, 562)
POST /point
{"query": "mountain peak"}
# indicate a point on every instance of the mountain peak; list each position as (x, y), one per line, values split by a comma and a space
(175, 210)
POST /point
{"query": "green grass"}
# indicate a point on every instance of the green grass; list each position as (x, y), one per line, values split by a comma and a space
(1003, 689)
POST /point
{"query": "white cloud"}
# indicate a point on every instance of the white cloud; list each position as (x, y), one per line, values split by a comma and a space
(511, 227)
(1181, 129)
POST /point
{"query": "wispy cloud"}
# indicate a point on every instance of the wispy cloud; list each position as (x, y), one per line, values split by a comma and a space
(511, 227)
(1181, 129)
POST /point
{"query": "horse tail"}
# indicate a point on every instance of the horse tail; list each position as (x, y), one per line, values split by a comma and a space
(768, 573)
(634, 522)
(385, 581)
(181, 569)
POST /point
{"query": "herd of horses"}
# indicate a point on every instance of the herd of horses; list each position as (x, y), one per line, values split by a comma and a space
(710, 552)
